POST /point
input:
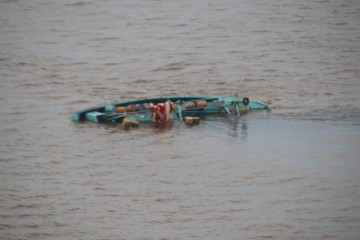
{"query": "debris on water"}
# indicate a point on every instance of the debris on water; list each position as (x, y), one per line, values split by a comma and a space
(191, 120)
(135, 124)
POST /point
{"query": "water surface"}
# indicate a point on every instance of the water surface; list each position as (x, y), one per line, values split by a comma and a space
(291, 173)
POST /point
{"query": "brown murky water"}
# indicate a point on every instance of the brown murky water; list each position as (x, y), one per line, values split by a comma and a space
(292, 173)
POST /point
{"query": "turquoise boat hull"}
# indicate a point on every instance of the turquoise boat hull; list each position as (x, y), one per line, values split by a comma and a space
(214, 105)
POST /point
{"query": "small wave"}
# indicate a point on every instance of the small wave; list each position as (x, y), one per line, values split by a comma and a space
(77, 102)
(332, 115)
(153, 18)
(172, 67)
(105, 38)
(78, 4)
(46, 42)
(30, 84)
(4, 226)
(34, 205)
(50, 76)
(112, 78)
(9, 1)
(254, 80)
(179, 25)
(111, 64)
(142, 81)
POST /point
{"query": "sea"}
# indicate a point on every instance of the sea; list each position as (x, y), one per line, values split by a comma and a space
(292, 172)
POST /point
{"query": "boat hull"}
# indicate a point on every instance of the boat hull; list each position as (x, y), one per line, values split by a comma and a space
(210, 105)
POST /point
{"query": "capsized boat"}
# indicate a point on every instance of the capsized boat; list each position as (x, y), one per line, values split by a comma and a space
(165, 108)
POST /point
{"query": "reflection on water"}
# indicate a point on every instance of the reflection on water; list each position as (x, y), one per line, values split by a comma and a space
(236, 124)
(159, 128)
(244, 131)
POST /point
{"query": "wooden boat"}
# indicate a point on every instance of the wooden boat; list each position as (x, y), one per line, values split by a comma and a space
(144, 109)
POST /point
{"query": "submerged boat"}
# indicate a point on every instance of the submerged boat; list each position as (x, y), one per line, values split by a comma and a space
(165, 108)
